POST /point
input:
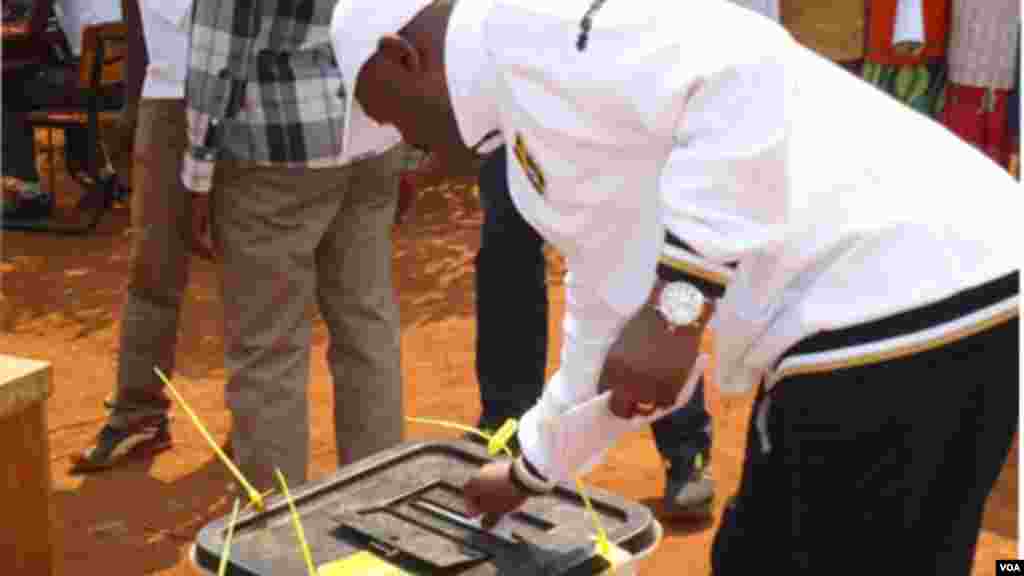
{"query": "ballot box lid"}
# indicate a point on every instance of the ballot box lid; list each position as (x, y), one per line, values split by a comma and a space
(403, 509)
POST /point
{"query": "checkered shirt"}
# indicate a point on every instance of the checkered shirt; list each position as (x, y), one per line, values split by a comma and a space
(262, 86)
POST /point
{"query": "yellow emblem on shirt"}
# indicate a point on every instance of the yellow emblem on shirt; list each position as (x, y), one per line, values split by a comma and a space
(529, 165)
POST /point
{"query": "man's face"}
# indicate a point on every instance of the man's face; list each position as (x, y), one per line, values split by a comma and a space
(415, 103)
(407, 88)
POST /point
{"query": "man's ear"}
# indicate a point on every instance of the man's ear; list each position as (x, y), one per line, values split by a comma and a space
(400, 52)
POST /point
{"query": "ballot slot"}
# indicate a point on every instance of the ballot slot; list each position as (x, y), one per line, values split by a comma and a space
(450, 499)
(432, 526)
(402, 540)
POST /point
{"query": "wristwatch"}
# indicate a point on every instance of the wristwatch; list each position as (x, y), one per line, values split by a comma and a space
(680, 304)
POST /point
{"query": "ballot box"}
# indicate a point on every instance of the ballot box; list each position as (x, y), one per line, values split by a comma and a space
(402, 512)
(25, 535)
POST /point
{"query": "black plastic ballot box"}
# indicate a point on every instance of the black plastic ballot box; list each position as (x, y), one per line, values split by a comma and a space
(404, 507)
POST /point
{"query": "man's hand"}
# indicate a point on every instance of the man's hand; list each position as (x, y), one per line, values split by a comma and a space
(201, 237)
(408, 193)
(492, 493)
(648, 365)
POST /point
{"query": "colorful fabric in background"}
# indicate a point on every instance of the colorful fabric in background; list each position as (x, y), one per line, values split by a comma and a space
(984, 38)
(882, 15)
(980, 116)
(982, 41)
(1013, 113)
(920, 86)
(914, 76)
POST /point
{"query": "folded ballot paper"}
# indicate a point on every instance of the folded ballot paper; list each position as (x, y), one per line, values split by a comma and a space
(582, 435)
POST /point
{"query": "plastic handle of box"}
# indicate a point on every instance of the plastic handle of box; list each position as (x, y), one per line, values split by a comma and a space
(386, 551)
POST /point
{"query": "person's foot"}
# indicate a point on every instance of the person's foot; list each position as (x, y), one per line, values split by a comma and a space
(114, 446)
(689, 490)
(25, 200)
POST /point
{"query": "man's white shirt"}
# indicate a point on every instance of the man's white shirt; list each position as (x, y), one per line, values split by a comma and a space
(165, 25)
(839, 205)
(75, 16)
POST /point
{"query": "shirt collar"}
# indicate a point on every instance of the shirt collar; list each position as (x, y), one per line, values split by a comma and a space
(471, 78)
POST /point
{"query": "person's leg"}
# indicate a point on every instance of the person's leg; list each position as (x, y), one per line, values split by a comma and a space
(19, 147)
(836, 456)
(149, 318)
(357, 301)
(511, 303)
(118, 141)
(683, 439)
(268, 223)
(23, 193)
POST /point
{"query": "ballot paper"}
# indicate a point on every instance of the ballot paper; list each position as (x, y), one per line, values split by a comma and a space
(582, 435)
(909, 25)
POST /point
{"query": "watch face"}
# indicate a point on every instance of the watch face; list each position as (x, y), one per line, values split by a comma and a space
(681, 303)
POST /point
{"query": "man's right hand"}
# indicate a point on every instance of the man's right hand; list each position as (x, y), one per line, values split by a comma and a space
(648, 365)
(201, 238)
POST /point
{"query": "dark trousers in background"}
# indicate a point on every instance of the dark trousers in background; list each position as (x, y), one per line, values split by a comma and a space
(35, 89)
(886, 464)
(512, 323)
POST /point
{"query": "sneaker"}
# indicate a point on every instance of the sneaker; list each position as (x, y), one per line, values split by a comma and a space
(689, 490)
(116, 445)
(25, 200)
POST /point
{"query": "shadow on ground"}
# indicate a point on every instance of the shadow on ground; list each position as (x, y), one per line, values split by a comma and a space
(98, 528)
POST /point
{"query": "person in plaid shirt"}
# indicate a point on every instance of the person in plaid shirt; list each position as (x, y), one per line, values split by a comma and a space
(291, 219)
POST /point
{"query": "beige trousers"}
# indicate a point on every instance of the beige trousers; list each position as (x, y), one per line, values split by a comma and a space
(160, 223)
(289, 237)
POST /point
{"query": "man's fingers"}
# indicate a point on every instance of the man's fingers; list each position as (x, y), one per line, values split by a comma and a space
(201, 241)
(201, 245)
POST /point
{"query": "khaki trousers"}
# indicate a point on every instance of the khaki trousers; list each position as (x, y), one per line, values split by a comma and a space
(160, 221)
(289, 237)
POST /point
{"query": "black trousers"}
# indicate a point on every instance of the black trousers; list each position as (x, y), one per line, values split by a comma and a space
(881, 467)
(34, 89)
(512, 323)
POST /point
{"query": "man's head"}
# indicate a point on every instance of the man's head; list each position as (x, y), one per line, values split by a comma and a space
(401, 79)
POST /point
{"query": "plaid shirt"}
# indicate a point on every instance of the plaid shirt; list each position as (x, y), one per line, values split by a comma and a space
(262, 86)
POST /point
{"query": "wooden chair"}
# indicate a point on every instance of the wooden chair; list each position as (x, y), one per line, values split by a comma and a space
(101, 73)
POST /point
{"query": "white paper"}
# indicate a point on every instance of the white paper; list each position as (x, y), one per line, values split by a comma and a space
(909, 25)
(581, 436)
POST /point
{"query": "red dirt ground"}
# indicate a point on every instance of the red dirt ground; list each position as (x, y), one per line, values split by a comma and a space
(63, 299)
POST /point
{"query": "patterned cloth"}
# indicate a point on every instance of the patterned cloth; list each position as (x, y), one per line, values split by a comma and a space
(982, 43)
(262, 86)
(882, 23)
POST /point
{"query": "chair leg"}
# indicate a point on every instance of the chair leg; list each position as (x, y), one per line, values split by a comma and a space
(53, 164)
(94, 203)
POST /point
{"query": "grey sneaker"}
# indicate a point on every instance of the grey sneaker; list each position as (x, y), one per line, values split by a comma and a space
(689, 490)
(113, 446)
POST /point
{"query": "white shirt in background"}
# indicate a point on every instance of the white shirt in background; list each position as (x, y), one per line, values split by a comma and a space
(165, 25)
(767, 8)
(75, 15)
